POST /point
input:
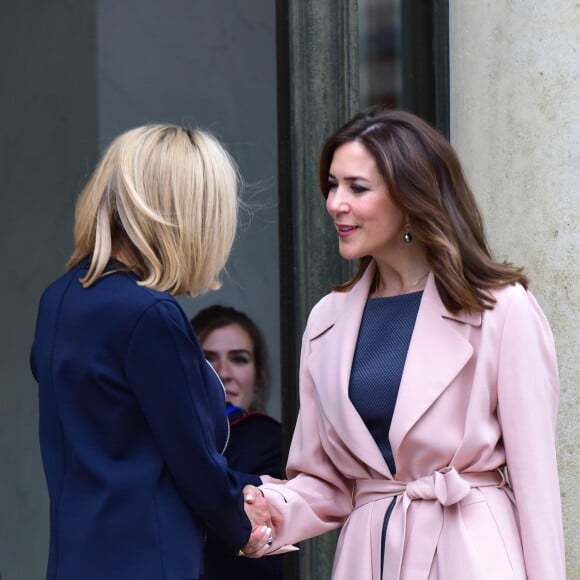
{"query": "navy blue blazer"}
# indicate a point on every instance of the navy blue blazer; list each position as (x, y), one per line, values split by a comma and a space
(132, 426)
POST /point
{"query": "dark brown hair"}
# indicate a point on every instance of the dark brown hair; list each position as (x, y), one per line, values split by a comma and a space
(218, 316)
(424, 177)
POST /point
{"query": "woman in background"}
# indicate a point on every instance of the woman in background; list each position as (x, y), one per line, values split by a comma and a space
(233, 344)
(132, 420)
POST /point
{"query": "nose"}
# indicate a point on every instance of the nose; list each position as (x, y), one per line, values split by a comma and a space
(222, 368)
(336, 202)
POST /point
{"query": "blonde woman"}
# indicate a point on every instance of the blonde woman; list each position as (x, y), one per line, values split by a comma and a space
(132, 417)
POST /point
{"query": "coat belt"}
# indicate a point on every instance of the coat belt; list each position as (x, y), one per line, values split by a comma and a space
(437, 492)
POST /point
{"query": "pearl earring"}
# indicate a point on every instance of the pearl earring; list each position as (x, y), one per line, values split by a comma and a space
(407, 237)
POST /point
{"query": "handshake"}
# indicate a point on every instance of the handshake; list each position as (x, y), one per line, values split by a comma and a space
(265, 518)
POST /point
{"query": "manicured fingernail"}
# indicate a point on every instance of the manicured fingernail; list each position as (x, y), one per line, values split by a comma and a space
(265, 530)
(268, 531)
(249, 497)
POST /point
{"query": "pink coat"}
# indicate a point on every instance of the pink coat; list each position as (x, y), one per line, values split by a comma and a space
(478, 391)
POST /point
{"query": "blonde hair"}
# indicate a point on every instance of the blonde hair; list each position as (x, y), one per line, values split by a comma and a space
(165, 198)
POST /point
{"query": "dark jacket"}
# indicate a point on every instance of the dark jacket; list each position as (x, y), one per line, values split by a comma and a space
(132, 426)
(255, 446)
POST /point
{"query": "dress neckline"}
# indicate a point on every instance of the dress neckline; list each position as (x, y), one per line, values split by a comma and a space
(395, 297)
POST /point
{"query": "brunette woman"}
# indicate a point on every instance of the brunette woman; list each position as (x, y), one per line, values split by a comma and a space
(428, 382)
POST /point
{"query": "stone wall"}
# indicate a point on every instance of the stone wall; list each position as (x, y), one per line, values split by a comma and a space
(514, 121)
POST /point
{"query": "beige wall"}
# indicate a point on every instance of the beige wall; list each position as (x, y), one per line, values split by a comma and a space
(515, 123)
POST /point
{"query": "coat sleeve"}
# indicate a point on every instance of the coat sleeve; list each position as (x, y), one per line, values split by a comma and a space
(163, 369)
(528, 390)
(317, 497)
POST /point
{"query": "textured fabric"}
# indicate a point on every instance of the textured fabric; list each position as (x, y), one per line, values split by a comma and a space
(132, 425)
(383, 340)
(478, 390)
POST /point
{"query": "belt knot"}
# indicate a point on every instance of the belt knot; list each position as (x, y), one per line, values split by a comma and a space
(446, 486)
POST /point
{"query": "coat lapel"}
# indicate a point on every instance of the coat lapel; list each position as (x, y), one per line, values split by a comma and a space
(437, 353)
(334, 336)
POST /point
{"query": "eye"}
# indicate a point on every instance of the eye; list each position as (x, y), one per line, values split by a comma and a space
(358, 188)
(332, 184)
(240, 359)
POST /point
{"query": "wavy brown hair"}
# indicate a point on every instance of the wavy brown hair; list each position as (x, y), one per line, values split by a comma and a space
(424, 177)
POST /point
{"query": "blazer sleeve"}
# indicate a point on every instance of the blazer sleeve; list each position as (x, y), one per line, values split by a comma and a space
(318, 497)
(528, 390)
(164, 371)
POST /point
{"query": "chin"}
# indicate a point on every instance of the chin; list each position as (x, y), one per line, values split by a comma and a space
(346, 255)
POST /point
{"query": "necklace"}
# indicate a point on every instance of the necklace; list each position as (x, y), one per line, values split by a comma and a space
(405, 290)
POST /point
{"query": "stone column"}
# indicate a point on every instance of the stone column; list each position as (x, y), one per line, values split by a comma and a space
(514, 121)
(318, 91)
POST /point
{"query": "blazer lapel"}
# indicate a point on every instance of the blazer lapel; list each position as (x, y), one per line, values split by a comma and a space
(330, 365)
(437, 353)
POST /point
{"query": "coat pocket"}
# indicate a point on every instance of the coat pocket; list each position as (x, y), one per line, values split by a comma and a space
(483, 543)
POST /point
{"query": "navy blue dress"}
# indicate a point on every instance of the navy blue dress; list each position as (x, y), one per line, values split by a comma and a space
(383, 342)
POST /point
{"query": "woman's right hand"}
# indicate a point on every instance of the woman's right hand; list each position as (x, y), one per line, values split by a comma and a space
(262, 515)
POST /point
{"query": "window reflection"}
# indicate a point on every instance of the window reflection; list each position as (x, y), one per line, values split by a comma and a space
(380, 52)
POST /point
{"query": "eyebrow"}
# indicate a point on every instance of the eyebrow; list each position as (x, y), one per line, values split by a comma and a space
(232, 351)
(351, 178)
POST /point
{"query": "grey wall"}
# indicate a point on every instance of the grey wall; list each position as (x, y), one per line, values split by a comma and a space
(210, 64)
(47, 140)
(74, 75)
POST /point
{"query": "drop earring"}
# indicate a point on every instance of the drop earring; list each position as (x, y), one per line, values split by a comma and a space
(407, 237)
